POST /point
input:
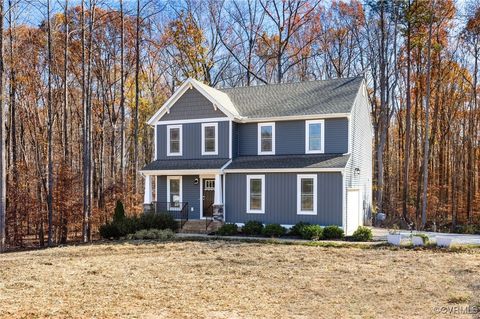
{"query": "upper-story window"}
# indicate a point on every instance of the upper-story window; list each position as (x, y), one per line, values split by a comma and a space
(174, 140)
(314, 136)
(266, 138)
(209, 138)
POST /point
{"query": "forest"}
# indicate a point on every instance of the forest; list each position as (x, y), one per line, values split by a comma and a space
(79, 79)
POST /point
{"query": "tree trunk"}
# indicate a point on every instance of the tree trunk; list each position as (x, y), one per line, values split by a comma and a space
(122, 100)
(3, 185)
(426, 150)
(407, 131)
(137, 99)
(49, 130)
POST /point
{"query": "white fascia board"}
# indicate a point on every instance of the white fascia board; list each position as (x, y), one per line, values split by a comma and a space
(182, 172)
(285, 170)
(294, 117)
(189, 83)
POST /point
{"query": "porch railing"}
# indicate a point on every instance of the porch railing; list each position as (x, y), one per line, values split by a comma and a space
(178, 210)
(208, 214)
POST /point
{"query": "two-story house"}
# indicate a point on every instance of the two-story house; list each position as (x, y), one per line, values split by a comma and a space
(279, 153)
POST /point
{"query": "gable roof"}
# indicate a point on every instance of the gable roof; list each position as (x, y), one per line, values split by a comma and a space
(324, 97)
(296, 99)
(218, 99)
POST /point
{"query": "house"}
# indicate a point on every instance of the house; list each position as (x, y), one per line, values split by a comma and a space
(279, 153)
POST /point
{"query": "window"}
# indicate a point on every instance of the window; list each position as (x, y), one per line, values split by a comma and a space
(307, 194)
(314, 136)
(266, 138)
(209, 139)
(255, 194)
(174, 192)
(174, 140)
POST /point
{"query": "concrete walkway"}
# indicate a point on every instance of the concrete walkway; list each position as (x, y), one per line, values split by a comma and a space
(462, 239)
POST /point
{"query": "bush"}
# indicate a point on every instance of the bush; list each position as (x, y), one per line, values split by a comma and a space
(252, 227)
(274, 230)
(110, 230)
(119, 228)
(312, 232)
(119, 213)
(362, 234)
(332, 232)
(466, 229)
(297, 229)
(157, 221)
(158, 234)
(228, 230)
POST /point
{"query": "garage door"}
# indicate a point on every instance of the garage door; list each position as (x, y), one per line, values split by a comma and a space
(354, 211)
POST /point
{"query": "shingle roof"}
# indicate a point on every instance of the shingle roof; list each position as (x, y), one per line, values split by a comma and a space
(290, 161)
(301, 98)
(184, 164)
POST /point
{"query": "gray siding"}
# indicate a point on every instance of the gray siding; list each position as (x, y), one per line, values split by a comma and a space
(190, 193)
(192, 105)
(281, 199)
(290, 137)
(235, 139)
(361, 158)
(192, 141)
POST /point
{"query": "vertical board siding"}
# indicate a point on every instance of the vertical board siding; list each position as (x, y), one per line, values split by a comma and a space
(192, 105)
(361, 156)
(290, 137)
(336, 135)
(247, 139)
(190, 193)
(235, 139)
(192, 141)
(281, 199)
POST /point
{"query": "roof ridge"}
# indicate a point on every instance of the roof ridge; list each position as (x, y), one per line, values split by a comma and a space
(361, 76)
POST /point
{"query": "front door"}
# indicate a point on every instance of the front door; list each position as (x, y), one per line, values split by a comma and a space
(208, 197)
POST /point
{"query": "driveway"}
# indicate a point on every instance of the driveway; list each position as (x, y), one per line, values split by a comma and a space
(381, 234)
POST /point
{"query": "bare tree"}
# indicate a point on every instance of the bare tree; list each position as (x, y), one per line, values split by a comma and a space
(49, 129)
(3, 185)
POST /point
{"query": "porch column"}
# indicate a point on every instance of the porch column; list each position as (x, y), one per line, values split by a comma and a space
(147, 198)
(218, 200)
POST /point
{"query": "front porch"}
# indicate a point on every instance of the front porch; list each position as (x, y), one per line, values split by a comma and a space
(186, 197)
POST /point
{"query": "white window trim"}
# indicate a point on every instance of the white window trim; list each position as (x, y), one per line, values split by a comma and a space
(299, 194)
(180, 134)
(307, 137)
(204, 125)
(180, 194)
(259, 138)
(255, 211)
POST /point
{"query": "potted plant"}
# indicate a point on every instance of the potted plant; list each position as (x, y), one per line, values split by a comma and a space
(419, 239)
(394, 237)
(444, 241)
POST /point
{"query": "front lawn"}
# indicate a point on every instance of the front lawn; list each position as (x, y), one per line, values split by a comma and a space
(221, 279)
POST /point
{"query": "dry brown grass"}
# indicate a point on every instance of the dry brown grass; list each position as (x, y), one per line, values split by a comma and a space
(234, 280)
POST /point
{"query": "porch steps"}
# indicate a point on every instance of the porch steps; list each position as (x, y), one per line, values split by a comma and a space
(199, 227)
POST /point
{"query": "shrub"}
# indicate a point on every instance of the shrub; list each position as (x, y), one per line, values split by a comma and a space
(297, 229)
(252, 227)
(119, 213)
(274, 230)
(158, 234)
(312, 232)
(110, 230)
(228, 230)
(119, 228)
(332, 232)
(466, 229)
(157, 221)
(362, 234)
